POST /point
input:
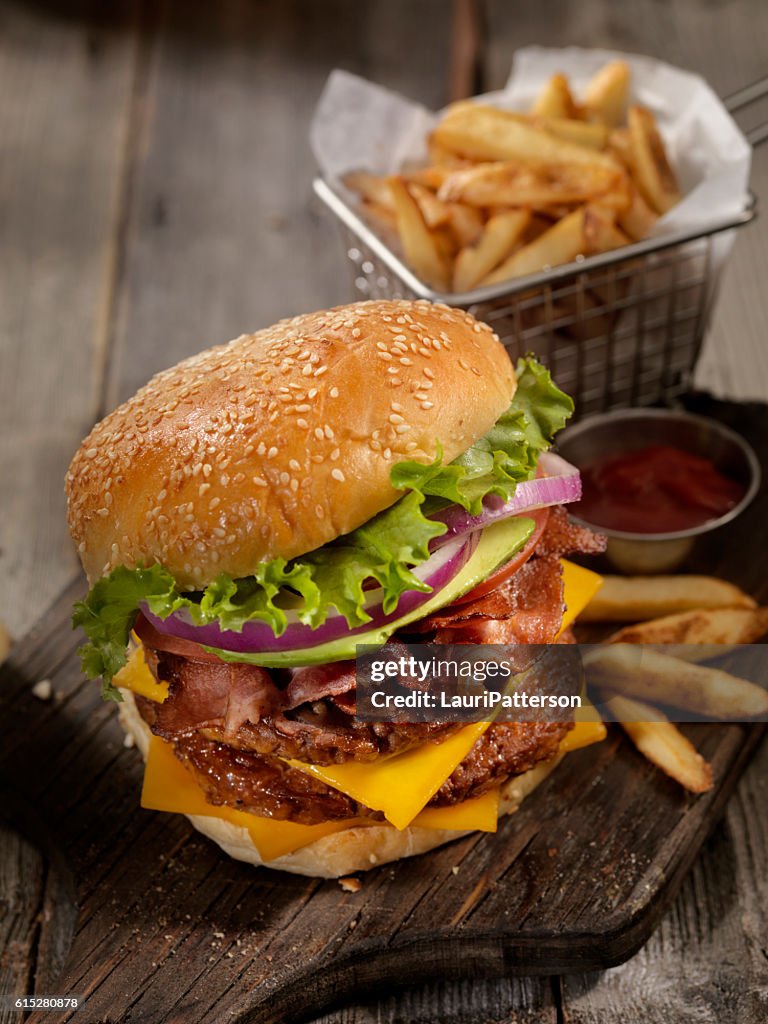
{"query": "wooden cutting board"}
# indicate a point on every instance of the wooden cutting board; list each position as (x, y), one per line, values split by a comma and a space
(151, 923)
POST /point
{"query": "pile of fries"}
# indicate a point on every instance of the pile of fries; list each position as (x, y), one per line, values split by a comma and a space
(509, 194)
(686, 620)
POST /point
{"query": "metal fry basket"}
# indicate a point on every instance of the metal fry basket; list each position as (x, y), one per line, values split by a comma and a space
(617, 329)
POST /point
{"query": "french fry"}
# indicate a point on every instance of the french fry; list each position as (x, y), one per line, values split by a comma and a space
(421, 250)
(430, 177)
(510, 183)
(662, 743)
(638, 218)
(443, 158)
(485, 133)
(561, 244)
(466, 224)
(594, 136)
(708, 627)
(501, 235)
(588, 182)
(372, 188)
(653, 175)
(434, 211)
(620, 147)
(555, 99)
(635, 598)
(645, 674)
(605, 98)
(382, 217)
(600, 231)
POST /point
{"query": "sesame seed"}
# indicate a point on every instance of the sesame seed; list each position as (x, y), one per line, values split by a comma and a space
(405, 361)
(395, 418)
(335, 454)
(319, 433)
(334, 392)
(284, 478)
(302, 423)
(338, 475)
(396, 407)
(203, 488)
(303, 408)
(402, 428)
(294, 485)
(320, 371)
(307, 370)
(272, 452)
(294, 465)
(260, 481)
(328, 432)
(319, 511)
(384, 355)
(215, 502)
(428, 373)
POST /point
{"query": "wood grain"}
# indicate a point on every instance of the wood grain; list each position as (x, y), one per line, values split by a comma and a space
(221, 235)
(60, 185)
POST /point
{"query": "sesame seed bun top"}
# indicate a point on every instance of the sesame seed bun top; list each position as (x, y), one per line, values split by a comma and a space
(283, 440)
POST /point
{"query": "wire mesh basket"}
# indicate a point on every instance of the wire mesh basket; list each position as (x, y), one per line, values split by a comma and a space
(617, 329)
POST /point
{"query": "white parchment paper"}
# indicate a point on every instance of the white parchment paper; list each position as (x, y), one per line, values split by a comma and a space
(359, 125)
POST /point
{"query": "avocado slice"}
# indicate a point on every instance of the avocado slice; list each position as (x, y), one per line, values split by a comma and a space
(498, 543)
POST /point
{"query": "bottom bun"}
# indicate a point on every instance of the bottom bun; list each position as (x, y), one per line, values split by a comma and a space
(356, 849)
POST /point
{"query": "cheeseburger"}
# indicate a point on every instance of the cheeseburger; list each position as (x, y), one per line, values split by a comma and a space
(373, 473)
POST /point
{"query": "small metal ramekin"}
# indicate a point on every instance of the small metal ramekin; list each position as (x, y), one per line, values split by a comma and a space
(626, 430)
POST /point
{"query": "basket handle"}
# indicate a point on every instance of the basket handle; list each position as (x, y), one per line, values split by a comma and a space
(743, 98)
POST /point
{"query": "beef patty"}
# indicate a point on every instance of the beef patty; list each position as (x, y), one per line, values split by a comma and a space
(268, 786)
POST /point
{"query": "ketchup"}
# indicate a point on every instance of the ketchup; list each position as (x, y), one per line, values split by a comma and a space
(658, 489)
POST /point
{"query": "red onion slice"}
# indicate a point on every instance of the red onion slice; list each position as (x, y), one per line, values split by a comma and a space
(560, 485)
(437, 572)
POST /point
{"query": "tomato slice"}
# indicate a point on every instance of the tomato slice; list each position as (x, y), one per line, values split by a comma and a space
(540, 517)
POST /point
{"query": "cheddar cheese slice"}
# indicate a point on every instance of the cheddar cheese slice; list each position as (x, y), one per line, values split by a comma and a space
(399, 785)
(170, 786)
(579, 587)
(136, 677)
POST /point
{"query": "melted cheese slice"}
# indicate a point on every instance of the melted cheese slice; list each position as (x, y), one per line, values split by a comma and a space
(399, 785)
(579, 587)
(170, 786)
(480, 814)
(136, 677)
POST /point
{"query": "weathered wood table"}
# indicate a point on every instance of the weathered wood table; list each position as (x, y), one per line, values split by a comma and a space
(154, 182)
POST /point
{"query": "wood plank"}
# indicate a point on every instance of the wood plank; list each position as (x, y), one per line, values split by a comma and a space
(724, 42)
(222, 234)
(719, 919)
(65, 84)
